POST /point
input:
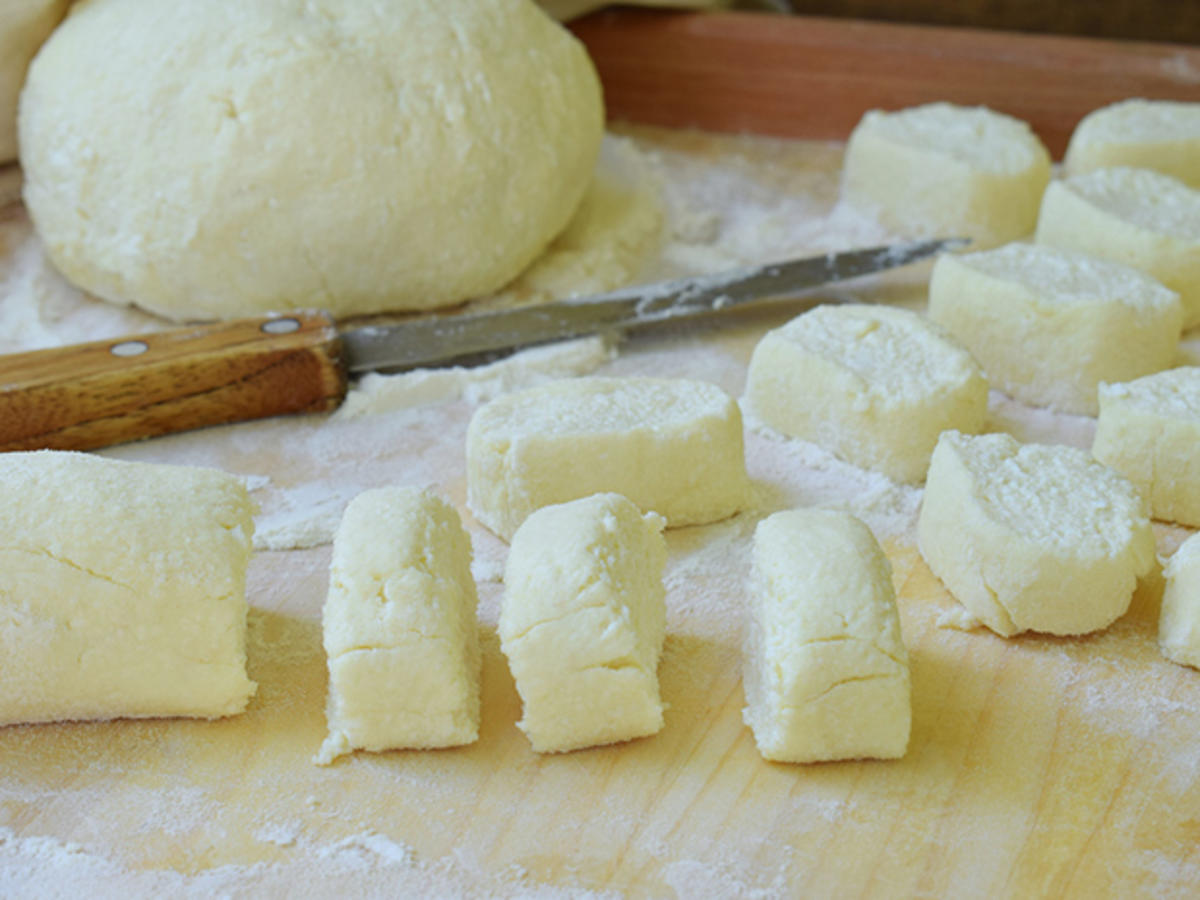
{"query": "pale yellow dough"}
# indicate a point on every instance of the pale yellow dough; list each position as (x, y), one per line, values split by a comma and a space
(224, 158)
(671, 445)
(1179, 621)
(583, 620)
(399, 627)
(947, 171)
(122, 589)
(1049, 325)
(1032, 537)
(1134, 216)
(1149, 431)
(826, 672)
(873, 384)
(1163, 135)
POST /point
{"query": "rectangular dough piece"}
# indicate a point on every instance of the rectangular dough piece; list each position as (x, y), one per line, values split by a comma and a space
(671, 445)
(1179, 621)
(583, 620)
(122, 589)
(826, 673)
(399, 627)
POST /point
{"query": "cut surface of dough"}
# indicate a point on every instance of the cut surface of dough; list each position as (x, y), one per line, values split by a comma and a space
(671, 445)
(122, 589)
(1149, 431)
(826, 672)
(1179, 621)
(399, 627)
(1163, 135)
(873, 384)
(948, 171)
(1032, 537)
(582, 622)
(228, 158)
(1049, 325)
(1134, 216)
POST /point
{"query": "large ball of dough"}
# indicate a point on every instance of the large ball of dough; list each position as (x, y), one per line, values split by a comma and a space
(225, 158)
(24, 24)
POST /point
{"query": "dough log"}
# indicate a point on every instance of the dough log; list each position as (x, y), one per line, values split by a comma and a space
(122, 589)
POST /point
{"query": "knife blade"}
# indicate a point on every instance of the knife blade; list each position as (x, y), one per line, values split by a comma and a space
(113, 391)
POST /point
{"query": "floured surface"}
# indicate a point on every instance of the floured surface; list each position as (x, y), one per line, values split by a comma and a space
(1038, 766)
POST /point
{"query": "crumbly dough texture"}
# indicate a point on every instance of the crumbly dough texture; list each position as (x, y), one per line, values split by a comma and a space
(399, 626)
(1134, 216)
(873, 384)
(1149, 431)
(947, 170)
(1163, 135)
(1032, 537)
(226, 158)
(1049, 325)
(671, 445)
(1179, 621)
(24, 25)
(582, 622)
(826, 672)
(122, 589)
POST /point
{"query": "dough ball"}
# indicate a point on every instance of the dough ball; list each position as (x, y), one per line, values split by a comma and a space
(399, 626)
(873, 384)
(671, 445)
(1049, 325)
(1179, 621)
(24, 24)
(1163, 135)
(826, 673)
(1132, 216)
(1032, 537)
(947, 171)
(582, 622)
(1149, 431)
(228, 158)
(122, 589)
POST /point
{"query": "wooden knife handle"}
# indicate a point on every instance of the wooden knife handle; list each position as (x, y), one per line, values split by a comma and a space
(113, 391)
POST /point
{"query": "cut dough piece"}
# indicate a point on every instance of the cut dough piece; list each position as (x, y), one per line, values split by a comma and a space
(1033, 537)
(399, 627)
(947, 171)
(583, 620)
(1049, 325)
(1163, 135)
(228, 158)
(1132, 216)
(826, 673)
(1179, 621)
(1149, 431)
(873, 384)
(673, 446)
(24, 24)
(122, 589)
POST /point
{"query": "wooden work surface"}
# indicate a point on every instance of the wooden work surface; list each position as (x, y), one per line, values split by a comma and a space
(1038, 766)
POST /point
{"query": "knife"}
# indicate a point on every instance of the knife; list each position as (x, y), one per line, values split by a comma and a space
(109, 392)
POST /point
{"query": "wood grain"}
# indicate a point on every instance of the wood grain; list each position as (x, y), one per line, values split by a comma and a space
(809, 77)
(89, 396)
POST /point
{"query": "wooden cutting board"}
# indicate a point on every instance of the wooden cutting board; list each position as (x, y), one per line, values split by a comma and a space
(1038, 766)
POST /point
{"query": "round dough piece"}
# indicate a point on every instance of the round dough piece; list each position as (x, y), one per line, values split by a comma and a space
(228, 158)
(1134, 216)
(949, 171)
(1032, 537)
(1163, 135)
(24, 24)
(1049, 325)
(873, 384)
(1149, 431)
